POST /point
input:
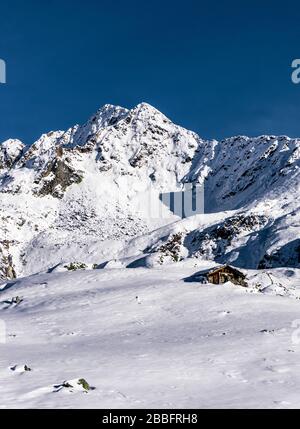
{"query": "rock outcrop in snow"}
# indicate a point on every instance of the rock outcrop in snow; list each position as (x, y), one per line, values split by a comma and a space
(10, 152)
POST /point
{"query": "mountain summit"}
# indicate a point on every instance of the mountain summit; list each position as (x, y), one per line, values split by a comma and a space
(76, 195)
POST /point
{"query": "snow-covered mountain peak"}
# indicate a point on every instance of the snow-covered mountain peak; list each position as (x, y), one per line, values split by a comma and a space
(110, 116)
(145, 111)
(72, 190)
(106, 116)
(114, 139)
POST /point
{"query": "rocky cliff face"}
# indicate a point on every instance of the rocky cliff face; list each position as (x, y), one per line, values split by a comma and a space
(240, 170)
(80, 193)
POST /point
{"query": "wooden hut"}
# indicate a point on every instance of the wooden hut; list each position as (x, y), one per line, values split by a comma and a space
(222, 274)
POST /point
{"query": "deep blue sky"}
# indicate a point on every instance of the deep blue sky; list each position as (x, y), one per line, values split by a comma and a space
(220, 67)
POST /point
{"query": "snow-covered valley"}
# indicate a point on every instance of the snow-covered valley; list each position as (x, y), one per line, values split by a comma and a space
(95, 286)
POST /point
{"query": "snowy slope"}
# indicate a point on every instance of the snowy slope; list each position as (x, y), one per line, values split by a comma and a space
(146, 338)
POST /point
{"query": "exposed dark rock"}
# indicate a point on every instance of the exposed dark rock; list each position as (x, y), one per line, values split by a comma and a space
(74, 266)
(57, 177)
(172, 247)
(213, 241)
(7, 270)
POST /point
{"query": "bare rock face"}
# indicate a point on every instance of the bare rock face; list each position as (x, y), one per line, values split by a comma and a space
(169, 248)
(214, 241)
(57, 178)
(7, 270)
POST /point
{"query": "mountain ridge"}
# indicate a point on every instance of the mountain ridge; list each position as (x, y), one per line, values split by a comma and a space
(78, 194)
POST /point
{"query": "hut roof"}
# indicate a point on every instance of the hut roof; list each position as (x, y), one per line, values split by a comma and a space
(219, 268)
(233, 269)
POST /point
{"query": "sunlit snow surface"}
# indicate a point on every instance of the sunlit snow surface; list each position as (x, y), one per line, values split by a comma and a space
(147, 338)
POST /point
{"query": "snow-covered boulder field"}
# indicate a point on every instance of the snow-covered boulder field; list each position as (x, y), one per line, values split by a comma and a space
(97, 305)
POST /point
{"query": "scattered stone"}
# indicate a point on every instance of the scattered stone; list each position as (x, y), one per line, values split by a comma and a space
(74, 266)
(79, 385)
(20, 368)
(267, 331)
(84, 384)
